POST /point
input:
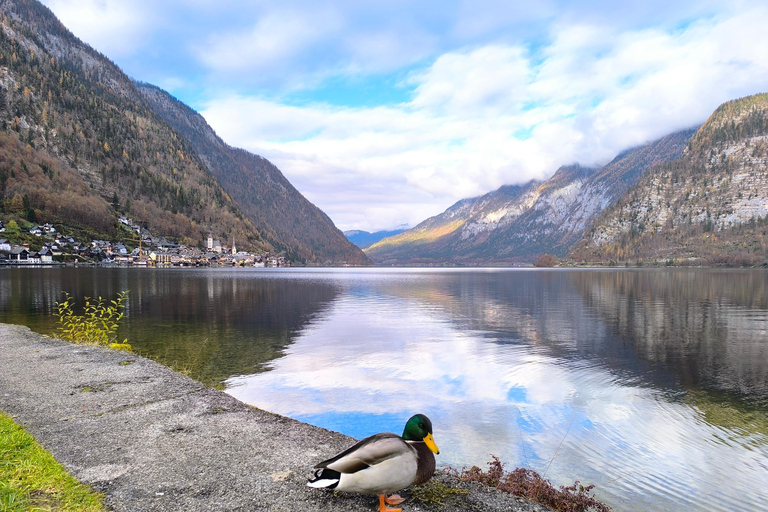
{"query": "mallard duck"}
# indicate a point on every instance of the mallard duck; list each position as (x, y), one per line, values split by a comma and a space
(382, 464)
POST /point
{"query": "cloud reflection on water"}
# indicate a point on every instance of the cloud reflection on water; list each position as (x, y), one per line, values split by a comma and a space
(492, 374)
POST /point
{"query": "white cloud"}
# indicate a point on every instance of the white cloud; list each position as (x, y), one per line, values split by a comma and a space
(273, 41)
(385, 50)
(114, 27)
(495, 114)
(390, 154)
(491, 78)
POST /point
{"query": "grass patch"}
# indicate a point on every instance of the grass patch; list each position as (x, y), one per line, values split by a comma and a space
(527, 483)
(182, 368)
(32, 480)
(437, 493)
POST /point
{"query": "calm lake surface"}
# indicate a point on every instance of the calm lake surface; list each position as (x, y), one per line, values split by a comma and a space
(651, 384)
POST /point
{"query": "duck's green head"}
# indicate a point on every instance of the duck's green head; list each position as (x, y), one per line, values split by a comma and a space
(419, 428)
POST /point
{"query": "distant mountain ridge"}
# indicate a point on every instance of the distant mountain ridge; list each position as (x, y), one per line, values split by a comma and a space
(517, 223)
(710, 206)
(364, 239)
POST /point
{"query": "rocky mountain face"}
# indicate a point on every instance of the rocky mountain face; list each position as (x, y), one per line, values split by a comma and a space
(518, 223)
(284, 217)
(710, 206)
(443, 239)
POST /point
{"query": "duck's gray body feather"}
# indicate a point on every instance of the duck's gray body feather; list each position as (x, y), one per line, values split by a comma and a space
(382, 463)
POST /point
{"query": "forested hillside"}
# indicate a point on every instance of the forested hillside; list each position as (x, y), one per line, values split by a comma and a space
(82, 145)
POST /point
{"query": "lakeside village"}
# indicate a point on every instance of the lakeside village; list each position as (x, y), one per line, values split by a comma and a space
(152, 251)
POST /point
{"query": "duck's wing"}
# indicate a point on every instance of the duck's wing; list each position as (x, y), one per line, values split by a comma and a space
(368, 452)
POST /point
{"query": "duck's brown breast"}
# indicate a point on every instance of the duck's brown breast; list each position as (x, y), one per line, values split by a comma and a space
(426, 465)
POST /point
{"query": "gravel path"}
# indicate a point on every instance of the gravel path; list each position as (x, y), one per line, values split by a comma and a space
(154, 440)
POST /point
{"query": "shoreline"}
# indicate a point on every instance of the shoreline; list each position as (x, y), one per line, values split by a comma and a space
(151, 439)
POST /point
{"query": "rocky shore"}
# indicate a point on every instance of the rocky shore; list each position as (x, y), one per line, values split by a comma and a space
(151, 439)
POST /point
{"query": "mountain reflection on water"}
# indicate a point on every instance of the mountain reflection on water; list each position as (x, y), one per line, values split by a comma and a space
(709, 328)
(213, 323)
(650, 384)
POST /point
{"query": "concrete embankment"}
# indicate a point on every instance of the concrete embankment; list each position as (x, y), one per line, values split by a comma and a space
(154, 440)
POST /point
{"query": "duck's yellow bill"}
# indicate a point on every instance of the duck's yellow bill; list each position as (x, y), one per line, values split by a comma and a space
(431, 443)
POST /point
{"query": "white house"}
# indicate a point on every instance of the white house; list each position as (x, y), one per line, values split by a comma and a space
(45, 255)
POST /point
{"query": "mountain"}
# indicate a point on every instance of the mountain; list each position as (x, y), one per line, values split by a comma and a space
(517, 223)
(284, 217)
(710, 206)
(364, 239)
(81, 145)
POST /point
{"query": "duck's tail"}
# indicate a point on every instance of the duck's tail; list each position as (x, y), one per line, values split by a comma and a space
(325, 479)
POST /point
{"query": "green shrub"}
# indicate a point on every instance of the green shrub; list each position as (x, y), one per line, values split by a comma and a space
(546, 260)
(12, 228)
(97, 325)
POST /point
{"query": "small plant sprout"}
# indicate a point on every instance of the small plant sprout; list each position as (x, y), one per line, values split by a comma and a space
(97, 325)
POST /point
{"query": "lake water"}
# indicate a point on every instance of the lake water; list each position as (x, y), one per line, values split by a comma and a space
(651, 384)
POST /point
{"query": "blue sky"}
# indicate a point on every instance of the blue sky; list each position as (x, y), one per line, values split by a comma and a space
(386, 113)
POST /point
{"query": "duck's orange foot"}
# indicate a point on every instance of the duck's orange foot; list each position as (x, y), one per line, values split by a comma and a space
(392, 500)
